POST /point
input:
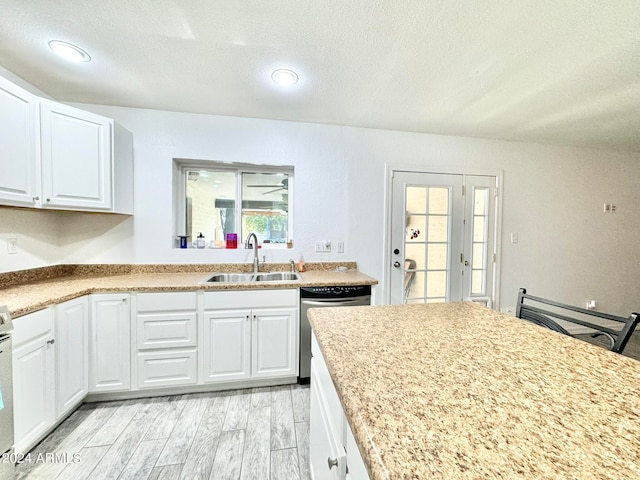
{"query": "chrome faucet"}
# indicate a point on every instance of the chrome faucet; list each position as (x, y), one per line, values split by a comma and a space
(247, 244)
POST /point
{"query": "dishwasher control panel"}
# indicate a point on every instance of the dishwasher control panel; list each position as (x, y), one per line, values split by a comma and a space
(336, 291)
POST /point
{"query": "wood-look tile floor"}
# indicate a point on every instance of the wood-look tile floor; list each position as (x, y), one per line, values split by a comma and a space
(259, 433)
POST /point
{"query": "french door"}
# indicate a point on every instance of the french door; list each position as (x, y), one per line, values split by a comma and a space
(443, 238)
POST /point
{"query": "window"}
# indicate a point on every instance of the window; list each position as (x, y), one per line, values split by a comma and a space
(217, 198)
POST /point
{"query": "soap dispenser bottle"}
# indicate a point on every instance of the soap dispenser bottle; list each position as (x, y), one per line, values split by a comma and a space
(301, 265)
(200, 243)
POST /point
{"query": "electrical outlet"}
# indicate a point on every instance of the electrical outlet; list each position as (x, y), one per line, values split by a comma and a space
(12, 246)
(323, 245)
(340, 246)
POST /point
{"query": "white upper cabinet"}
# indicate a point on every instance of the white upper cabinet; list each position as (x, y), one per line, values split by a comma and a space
(59, 157)
(76, 158)
(18, 172)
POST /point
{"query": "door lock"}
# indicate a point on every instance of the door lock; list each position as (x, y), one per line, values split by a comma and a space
(396, 264)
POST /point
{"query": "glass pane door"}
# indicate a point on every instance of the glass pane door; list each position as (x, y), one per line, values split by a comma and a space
(442, 238)
(427, 225)
(427, 252)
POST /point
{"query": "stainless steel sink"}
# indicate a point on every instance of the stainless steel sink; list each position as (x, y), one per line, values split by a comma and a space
(229, 278)
(277, 277)
(251, 277)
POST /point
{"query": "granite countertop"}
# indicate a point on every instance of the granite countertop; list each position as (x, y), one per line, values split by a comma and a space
(459, 391)
(30, 295)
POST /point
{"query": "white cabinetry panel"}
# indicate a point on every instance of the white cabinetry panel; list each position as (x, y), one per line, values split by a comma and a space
(227, 345)
(18, 173)
(76, 158)
(327, 455)
(250, 334)
(59, 157)
(167, 368)
(332, 447)
(109, 343)
(274, 342)
(166, 339)
(72, 354)
(166, 330)
(33, 378)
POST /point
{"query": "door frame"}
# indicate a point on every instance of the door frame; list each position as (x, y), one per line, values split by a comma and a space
(390, 170)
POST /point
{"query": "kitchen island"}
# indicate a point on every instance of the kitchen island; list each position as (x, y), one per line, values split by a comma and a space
(456, 390)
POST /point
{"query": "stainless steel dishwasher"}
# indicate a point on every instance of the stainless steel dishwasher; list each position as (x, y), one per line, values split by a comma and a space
(322, 297)
(6, 388)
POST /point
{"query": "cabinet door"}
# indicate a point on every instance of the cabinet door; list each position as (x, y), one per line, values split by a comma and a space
(227, 345)
(327, 456)
(72, 354)
(33, 378)
(274, 343)
(18, 170)
(76, 158)
(109, 343)
(355, 463)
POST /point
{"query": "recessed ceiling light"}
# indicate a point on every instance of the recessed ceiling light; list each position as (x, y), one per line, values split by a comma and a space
(284, 77)
(68, 51)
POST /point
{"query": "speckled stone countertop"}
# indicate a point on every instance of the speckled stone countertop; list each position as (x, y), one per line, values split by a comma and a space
(28, 296)
(459, 391)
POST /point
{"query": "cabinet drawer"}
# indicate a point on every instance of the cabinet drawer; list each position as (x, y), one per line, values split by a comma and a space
(166, 330)
(166, 301)
(251, 299)
(168, 368)
(28, 327)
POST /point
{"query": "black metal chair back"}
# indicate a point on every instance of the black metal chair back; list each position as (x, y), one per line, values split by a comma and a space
(548, 313)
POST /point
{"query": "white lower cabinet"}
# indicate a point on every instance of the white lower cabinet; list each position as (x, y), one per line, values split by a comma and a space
(34, 385)
(72, 354)
(259, 340)
(333, 452)
(227, 345)
(109, 343)
(274, 340)
(166, 339)
(87, 346)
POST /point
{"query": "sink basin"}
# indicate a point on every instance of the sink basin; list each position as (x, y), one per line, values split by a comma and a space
(277, 277)
(229, 278)
(251, 277)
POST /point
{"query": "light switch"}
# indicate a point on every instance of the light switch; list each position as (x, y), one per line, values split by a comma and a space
(514, 237)
(12, 246)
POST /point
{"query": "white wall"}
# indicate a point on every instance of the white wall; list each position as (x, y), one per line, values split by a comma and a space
(37, 234)
(568, 249)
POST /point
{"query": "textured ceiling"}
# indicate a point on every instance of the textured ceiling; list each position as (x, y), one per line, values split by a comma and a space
(559, 71)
